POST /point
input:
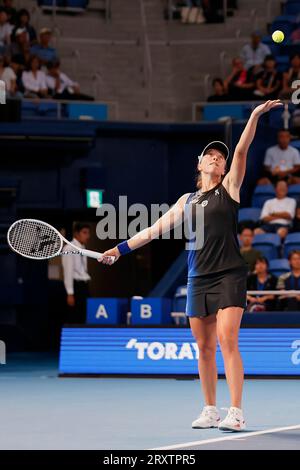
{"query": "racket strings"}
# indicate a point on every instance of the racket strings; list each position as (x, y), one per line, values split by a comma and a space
(34, 239)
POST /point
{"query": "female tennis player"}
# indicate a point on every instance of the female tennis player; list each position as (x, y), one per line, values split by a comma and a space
(216, 288)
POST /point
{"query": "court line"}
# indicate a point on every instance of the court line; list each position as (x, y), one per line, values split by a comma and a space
(239, 435)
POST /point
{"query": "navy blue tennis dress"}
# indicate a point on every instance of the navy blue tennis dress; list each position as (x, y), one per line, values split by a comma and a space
(217, 273)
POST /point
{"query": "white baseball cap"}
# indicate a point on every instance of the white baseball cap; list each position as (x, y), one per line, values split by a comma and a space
(218, 145)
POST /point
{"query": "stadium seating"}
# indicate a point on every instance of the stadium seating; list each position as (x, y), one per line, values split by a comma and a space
(249, 213)
(279, 266)
(292, 7)
(283, 62)
(292, 242)
(268, 244)
(294, 191)
(285, 23)
(261, 194)
(39, 109)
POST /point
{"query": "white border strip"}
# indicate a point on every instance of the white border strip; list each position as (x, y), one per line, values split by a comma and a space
(238, 435)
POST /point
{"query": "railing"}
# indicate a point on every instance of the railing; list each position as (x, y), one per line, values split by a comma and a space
(147, 60)
(181, 317)
(172, 3)
(197, 108)
(113, 106)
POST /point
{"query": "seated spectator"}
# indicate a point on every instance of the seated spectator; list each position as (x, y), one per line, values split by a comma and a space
(219, 91)
(20, 45)
(262, 280)
(10, 11)
(268, 82)
(296, 221)
(23, 22)
(238, 84)
(213, 11)
(17, 63)
(5, 30)
(290, 281)
(42, 49)
(249, 253)
(61, 87)
(277, 214)
(295, 36)
(282, 161)
(290, 76)
(34, 80)
(254, 54)
(9, 77)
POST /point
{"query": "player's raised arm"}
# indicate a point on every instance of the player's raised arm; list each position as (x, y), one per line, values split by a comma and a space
(238, 165)
(171, 219)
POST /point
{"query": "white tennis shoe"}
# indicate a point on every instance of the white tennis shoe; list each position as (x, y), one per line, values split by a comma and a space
(209, 418)
(234, 420)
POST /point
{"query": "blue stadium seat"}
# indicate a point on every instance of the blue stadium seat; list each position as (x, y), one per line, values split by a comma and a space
(279, 266)
(283, 63)
(285, 23)
(292, 8)
(262, 193)
(66, 4)
(294, 191)
(268, 244)
(95, 111)
(39, 109)
(296, 144)
(217, 111)
(249, 213)
(292, 242)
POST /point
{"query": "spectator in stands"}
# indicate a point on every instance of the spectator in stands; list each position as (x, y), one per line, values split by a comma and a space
(61, 87)
(238, 84)
(249, 253)
(277, 214)
(282, 161)
(296, 221)
(268, 82)
(262, 280)
(295, 36)
(20, 45)
(213, 11)
(290, 76)
(23, 22)
(254, 54)
(10, 11)
(42, 49)
(219, 91)
(5, 30)
(17, 63)
(290, 281)
(9, 77)
(34, 80)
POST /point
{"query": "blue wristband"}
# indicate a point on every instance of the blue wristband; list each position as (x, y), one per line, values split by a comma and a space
(124, 248)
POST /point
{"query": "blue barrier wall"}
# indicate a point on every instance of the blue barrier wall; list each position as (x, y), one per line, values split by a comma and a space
(172, 351)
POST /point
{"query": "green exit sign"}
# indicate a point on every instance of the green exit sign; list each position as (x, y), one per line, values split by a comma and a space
(94, 198)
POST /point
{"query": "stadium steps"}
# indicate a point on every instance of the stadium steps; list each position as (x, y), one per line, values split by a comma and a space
(178, 70)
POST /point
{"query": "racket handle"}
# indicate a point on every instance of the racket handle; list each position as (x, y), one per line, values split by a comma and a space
(95, 255)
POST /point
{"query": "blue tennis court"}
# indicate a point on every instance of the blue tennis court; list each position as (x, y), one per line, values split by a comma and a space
(39, 410)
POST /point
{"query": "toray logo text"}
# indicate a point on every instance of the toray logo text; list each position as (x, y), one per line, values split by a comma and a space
(172, 351)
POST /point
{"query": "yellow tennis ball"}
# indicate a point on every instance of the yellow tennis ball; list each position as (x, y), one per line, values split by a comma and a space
(278, 36)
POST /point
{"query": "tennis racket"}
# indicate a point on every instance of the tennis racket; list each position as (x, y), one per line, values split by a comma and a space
(35, 239)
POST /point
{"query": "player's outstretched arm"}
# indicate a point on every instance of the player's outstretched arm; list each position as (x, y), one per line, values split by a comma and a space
(238, 165)
(171, 219)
